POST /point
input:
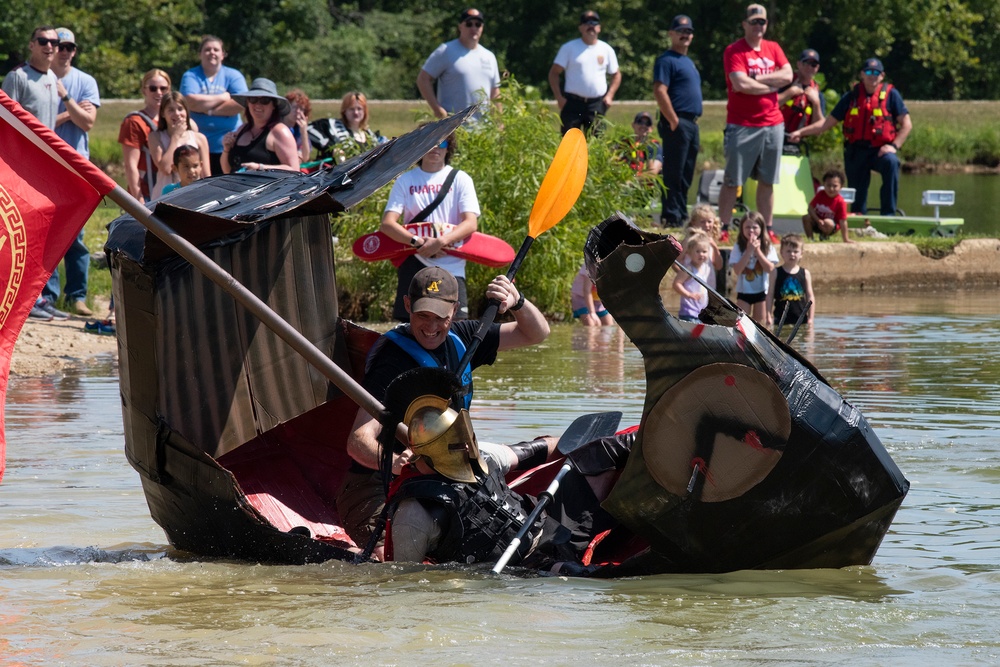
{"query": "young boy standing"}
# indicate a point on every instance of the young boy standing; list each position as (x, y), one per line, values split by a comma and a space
(828, 210)
(790, 284)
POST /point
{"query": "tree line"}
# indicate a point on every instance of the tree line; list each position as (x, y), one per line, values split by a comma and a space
(932, 49)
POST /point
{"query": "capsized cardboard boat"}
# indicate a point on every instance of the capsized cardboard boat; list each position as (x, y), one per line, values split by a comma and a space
(239, 442)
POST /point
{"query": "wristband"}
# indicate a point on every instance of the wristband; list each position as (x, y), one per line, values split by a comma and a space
(414, 240)
(893, 144)
(518, 305)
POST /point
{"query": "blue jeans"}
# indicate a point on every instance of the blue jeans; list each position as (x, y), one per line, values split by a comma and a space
(859, 162)
(77, 262)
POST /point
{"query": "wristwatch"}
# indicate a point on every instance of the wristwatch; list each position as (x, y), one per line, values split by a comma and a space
(519, 304)
(415, 241)
(65, 98)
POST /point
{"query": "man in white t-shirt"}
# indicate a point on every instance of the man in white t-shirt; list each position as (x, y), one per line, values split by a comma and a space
(587, 63)
(466, 72)
(448, 223)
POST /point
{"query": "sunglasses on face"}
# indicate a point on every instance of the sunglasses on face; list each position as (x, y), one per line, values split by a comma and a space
(158, 89)
(685, 32)
(45, 41)
(259, 100)
(758, 22)
(811, 63)
(67, 48)
(872, 72)
(645, 121)
(473, 24)
(443, 144)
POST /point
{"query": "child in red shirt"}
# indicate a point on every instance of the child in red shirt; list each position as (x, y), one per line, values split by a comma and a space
(828, 210)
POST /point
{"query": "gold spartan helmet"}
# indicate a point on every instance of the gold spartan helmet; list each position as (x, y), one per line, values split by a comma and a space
(445, 438)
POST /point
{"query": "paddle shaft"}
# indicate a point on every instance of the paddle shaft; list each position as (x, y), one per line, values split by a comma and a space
(490, 316)
(543, 501)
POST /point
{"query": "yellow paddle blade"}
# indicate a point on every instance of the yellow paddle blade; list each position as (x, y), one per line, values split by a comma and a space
(562, 184)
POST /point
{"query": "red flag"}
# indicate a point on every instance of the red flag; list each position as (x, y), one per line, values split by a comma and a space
(48, 191)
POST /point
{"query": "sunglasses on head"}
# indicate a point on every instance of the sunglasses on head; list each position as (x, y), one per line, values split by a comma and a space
(757, 22)
(259, 100)
(872, 72)
(157, 89)
(67, 48)
(473, 24)
(45, 41)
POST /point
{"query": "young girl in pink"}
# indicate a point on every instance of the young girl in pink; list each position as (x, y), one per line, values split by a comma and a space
(698, 258)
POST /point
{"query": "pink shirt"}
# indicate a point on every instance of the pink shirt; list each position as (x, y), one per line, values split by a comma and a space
(752, 110)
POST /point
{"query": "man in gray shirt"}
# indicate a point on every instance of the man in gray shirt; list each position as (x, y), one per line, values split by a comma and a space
(34, 86)
(466, 73)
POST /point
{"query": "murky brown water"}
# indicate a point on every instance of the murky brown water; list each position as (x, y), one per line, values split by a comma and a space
(84, 577)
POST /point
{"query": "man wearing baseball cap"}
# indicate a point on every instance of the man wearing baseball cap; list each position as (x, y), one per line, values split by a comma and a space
(587, 64)
(677, 89)
(465, 71)
(801, 102)
(434, 339)
(756, 69)
(79, 101)
(876, 125)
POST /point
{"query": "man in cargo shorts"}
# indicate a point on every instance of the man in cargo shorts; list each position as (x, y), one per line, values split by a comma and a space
(756, 69)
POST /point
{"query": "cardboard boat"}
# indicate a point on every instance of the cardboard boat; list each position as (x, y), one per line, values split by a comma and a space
(240, 443)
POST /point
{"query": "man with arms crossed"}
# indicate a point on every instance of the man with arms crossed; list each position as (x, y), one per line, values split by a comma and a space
(756, 69)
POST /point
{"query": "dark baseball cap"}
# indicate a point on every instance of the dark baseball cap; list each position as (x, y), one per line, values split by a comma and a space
(682, 22)
(644, 118)
(873, 63)
(809, 54)
(433, 290)
(590, 16)
(467, 14)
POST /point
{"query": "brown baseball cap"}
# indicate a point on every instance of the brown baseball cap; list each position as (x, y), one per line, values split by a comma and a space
(433, 290)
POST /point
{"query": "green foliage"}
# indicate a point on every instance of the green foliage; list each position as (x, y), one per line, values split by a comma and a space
(507, 156)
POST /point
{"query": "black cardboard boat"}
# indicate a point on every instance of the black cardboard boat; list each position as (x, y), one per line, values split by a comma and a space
(746, 458)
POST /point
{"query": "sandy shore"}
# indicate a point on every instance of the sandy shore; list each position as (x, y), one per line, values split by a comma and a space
(47, 348)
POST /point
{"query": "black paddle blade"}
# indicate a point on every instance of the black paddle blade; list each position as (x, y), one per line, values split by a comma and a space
(588, 428)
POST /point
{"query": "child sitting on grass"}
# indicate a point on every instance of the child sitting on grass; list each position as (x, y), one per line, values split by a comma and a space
(790, 285)
(828, 210)
(697, 257)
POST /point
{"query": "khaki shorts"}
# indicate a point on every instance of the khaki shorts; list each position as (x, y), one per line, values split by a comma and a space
(359, 502)
(752, 152)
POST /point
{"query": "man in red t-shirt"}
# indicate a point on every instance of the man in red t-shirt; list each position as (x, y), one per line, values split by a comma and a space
(755, 70)
(828, 210)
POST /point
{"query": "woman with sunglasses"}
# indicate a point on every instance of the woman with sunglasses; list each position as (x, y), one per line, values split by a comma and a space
(264, 141)
(414, 214)
(133, 135)
(174, 130)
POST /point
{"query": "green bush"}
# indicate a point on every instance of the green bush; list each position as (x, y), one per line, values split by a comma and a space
(507, 156)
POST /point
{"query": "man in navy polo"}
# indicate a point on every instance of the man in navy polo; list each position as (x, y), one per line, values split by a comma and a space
(677, 89)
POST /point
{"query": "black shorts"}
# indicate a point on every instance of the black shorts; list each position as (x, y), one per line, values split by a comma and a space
(756, 297)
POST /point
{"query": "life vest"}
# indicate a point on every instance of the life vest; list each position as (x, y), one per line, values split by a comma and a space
(481, 519)
(453, 354)
(868, 118)
(797, 109)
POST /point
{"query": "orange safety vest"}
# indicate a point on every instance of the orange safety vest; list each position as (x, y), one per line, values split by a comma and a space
(868, 118)
(797, 109)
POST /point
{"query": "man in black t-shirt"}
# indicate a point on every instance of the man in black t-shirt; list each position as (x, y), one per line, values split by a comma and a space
(430, 339)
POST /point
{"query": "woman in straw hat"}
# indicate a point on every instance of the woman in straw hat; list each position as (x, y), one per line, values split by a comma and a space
(264, 141)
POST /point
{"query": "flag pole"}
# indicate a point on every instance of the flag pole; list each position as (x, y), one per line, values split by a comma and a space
(312, 354)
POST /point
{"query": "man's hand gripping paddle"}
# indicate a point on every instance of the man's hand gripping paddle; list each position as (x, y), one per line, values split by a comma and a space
(559, 191)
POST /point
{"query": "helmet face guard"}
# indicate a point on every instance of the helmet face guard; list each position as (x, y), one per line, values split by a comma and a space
(445, 438)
